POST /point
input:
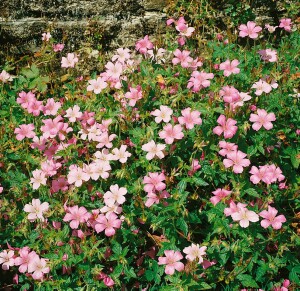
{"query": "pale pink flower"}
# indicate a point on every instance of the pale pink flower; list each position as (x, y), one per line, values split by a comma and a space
(250, 29)
(170, 133)
(107, 223)
(171, 260)
(26, 257)
(105, 140)
(219, 195)
(182, 57)
(227, 127)
(115, 195)
(121, 154)
(134, 95)
(73, 113)
(268, 55)
(230, 67)
(143, 45)
(229, 94)
(236, 159)
(233, 208)
(184, 29)
(195, 252)
(261, 86)
(242, 98)
(46, 36)
(286, 24)
(243, 215)
(77, 176)
(51, 107)
(226, 147)
(262, 173)
(190, 118)
(262, 118)
(154, 182)
(35, 107)
(97, 85)
(58, 47)
(199, 80)
(270, 218)
(270, 28)
(116, 208)
(101, 169)
(36, 210)
(69, 61)
(25, 99)
(122, 55)
(153, 150)
(25, 130)
(76, 216)
(114, 70)
(5, 77)
(108, 281)
(276, 173)
(50, 167)
(7, 259)
(38, 179)
(153, 198)
(164, 114)
(38, 266)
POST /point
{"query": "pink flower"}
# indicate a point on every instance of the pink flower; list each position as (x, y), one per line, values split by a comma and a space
(199, 80)
(121, 154)
(97, 85)
(25, 99)
(286, 24)
(153, 198)
(227, 147)
(228, 127)
(105, 140)
(51, 107)
(250, 30)
(233, 208)
(109, 282)
(38, 179)
(276, 173)
(58, 47)
(268, 55)
(171, 260)
(26, 257)
(73, 113)
(7, 259)
(154, 182)
(76, 215)
(25, 130)
(236, 159)
(143, 45)
(107, 223)
(77, 175)
(262, 173)
(229, 94)
(270, 218)
(114, 70)
(230, 67)
(38, 266)
(195, 166)
(164, 114)
(134, 95)
(262, 118)
(69, 61)
(243, 215)
(190, 118)
(122, 56)
(115, 195)
(270, 28)
(184, 29)
(169, 133)
(35, 107)
(36, 210)
(261, 86)
(46, 36)
(195, 252)
(182, 57)
(153, 150)
(219, 195)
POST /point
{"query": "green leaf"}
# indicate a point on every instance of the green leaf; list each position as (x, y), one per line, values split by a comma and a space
(181, 186)
(200, 182)
(247, 281)
(182, 225)
(294, 275)
(252, 192)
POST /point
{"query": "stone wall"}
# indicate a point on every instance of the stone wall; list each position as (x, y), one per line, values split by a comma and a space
(109, 23)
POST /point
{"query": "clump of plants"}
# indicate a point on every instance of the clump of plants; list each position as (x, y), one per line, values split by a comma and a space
(167, 169)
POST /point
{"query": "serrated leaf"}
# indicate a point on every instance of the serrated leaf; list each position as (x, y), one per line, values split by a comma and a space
(252, 192)
(182, 225)
(200, 182)
(247, 281)
(181, 186)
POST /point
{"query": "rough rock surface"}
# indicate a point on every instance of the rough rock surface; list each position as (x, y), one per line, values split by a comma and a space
(106, 23)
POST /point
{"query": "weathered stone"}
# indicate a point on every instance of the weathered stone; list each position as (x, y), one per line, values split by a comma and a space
(109, 23)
